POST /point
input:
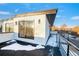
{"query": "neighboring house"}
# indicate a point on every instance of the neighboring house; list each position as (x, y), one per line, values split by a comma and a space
(8, 26)
(1, 22)
(31, 27)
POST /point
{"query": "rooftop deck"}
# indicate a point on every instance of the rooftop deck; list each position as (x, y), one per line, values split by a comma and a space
(50, 49)
(59, 43)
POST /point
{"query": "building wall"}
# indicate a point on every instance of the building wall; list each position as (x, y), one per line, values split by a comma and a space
(39, 28)
(8, 21)
(47, 30)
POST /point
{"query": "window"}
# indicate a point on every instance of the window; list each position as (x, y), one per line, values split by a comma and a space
(9, 27)
(16, 23)
(26, 30)
(0, 28)
(39, 21)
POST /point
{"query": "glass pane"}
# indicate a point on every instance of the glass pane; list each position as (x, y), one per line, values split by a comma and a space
(25, 29)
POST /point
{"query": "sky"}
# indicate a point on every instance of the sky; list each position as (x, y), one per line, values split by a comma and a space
(67, 13)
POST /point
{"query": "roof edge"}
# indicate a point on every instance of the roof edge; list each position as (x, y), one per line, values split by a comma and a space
(50, 11)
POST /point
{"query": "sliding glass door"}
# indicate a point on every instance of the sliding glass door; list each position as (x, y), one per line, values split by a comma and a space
(26, 29)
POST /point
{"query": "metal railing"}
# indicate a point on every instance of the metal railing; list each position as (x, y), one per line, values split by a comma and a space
(70, 42)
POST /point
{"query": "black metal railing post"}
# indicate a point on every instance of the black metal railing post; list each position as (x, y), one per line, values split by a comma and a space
(68, 46)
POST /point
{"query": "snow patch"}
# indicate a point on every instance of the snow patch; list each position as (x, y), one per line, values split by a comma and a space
(17, 46)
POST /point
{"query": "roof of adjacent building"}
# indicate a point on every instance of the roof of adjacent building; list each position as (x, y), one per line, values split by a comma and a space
(51, 11)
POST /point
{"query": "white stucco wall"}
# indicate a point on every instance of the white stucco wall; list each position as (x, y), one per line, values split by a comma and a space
(39, 28)
(47, 30)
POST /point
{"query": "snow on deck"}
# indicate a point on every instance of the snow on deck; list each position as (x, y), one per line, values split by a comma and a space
(9, 36)
(6, 37)
(52, 39)
(17, 46)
